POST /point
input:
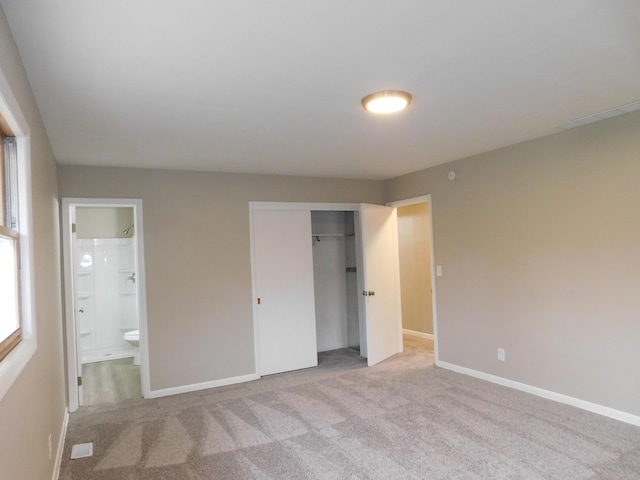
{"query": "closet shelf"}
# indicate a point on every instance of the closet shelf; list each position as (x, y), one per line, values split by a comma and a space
(84, 295)
(127, 293)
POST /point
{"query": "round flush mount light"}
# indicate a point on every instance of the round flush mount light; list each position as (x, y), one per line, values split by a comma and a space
(386, 101)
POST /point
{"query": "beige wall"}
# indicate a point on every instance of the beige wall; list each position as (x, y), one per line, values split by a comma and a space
(414, 245)
(539, 248)
(104, 222)
(197, 258)
(34, 406)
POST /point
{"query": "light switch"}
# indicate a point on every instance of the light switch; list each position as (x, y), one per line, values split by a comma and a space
(438, 270)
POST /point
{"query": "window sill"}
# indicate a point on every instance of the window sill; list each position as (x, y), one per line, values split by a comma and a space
(14, 363)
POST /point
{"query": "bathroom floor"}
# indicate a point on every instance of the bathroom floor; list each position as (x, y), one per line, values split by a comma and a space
(110, 381)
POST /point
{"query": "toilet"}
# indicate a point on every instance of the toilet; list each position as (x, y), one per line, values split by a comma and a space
(133, 338)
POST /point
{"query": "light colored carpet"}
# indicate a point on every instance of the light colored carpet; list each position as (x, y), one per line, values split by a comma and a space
(402, 419)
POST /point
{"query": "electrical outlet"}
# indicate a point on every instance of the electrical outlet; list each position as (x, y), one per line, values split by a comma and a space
(501, 354)
(50, 448)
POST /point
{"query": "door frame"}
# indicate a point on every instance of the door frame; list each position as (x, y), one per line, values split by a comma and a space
(68, 204)
(413, 201)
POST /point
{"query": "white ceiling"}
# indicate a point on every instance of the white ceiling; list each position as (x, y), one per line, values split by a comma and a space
(275, 86)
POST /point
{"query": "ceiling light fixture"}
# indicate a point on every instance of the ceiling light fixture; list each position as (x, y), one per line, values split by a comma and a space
(386, 101)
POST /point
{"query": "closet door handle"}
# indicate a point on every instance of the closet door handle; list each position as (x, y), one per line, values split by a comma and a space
(81, 310)
(368, 293)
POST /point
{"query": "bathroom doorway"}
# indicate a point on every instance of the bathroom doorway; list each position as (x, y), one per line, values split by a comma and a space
(104, 300)
(417, 269)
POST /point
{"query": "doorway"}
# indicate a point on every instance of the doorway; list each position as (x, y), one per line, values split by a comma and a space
(417, 269)
(104, 301)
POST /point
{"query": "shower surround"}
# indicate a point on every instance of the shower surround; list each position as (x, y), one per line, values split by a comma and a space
(106, 297)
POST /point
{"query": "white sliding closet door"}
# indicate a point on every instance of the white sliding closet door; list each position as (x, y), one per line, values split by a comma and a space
(380, 300)
(283, 288)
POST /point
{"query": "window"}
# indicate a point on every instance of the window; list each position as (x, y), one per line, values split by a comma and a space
(10, 324)
(18, 336)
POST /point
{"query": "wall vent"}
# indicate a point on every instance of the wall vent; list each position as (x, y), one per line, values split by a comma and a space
(82, 450)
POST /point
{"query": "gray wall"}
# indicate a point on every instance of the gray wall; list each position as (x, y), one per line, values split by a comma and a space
(197, 258)
(34, 407)
(539, 248)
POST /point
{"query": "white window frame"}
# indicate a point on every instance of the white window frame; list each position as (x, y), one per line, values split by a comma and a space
(13, 364)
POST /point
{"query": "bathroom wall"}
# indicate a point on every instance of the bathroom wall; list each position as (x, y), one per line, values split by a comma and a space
(104, 222)
(414, 244)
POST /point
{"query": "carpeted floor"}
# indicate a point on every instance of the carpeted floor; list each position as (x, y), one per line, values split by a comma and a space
(402, 419)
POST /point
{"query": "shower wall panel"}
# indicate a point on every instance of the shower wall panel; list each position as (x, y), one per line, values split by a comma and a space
(106, 296)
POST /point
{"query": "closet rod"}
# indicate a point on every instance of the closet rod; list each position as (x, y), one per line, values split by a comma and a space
(316, 238)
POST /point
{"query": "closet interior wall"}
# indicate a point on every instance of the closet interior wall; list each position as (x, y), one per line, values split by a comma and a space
(335, 285)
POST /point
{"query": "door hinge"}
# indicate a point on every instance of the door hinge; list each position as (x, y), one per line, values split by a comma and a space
(79, 381)
(73, 228)
(258, 300)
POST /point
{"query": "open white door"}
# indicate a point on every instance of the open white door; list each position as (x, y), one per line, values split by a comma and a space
(78, 310)
(381, 282)
(284, 305)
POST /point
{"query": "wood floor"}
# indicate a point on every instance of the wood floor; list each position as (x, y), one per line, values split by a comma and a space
(110, 381)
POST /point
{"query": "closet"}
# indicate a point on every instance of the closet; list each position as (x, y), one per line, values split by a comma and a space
(335, 281)
(325, 276)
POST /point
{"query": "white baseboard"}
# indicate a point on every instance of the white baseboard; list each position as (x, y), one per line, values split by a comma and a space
(413, 333)
(540, 392)
(165, 392)
(60, 449)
